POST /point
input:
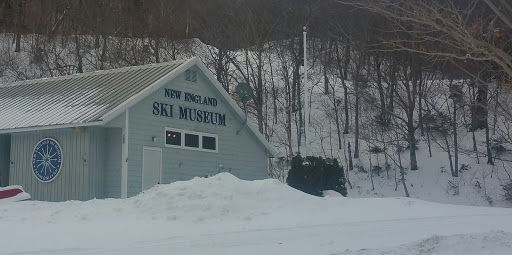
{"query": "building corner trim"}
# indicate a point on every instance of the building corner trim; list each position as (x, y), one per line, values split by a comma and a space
(124, 158)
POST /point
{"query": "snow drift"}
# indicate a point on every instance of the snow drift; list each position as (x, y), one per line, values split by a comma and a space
(226, 215)
(496, 242)
(225, 197)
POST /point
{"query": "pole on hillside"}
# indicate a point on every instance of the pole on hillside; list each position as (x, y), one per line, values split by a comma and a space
(306, 95)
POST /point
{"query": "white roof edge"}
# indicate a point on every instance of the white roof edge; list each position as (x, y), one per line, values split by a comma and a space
(271, 150)
(28, 129)
(147, 91)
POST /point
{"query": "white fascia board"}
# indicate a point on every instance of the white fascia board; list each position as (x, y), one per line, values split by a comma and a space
(39, 128)
(147, 91)
(271, 150)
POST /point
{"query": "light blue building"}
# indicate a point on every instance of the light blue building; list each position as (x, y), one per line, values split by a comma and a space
(116, 133)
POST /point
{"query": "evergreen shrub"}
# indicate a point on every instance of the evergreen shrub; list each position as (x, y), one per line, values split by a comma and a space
(313, 175)
(508, 191)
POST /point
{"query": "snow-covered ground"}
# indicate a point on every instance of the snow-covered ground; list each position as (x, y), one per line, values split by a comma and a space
(478, 184)
(225, 215)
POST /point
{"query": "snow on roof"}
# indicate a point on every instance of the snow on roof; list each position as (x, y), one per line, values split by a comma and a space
(75, 99)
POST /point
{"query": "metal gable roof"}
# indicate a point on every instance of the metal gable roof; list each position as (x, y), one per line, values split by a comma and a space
(94, 98)
(75, 99)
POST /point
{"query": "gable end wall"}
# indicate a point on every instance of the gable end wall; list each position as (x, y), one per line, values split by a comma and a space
(243, 155)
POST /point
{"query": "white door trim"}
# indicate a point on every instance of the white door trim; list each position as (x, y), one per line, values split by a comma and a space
(161, 166)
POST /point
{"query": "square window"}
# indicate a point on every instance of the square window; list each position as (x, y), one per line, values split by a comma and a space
(191, 75)
(187, 75)
(192, 140)
(209, 143)
(173, 138)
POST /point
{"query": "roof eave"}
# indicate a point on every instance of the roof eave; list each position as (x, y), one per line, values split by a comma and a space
(49, 127)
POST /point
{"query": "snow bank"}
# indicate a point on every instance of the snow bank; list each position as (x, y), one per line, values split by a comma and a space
(331, 193)
(495, 242)
(226, 198)
(217, 197)
(226, 215)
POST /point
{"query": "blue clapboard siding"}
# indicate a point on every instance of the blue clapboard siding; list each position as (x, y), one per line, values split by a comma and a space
(81, 176)
(243, 155)
(113, 151)
(96, 162)
(5, 147)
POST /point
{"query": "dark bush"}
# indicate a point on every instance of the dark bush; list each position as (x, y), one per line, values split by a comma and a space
(315, 174)
(508, 191)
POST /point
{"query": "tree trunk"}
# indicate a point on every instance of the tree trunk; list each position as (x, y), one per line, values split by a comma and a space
(479, 110)
(392, 87)
(298, 96)
(19, 20)
(323, 49)
(78, 55)
(357, 84)
(420, 107)
(295, 80)
(347, 117)
(380, 87)
(350, 164)
(295, 88)
(448, 150)
(455, 143)
(412, 145)
(347, 174)
(343, 70)
(288, 115)
(103, 53)
(488, 145)
(370, 172)
(402, 178)
(220, 68)
(429, 144)
(345, 87)
(356, 142)
(274, 91)
(157, 50)
(97, 42)
(336, 117)
(402, 173)
(259, 92)
(475, 148)
(18, 43)
(496, 103)
(411, 88)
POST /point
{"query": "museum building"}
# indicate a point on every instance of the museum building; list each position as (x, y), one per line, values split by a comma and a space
(116, 133)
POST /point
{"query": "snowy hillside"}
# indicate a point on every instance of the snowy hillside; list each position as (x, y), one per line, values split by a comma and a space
(225, 215)
(479, 184)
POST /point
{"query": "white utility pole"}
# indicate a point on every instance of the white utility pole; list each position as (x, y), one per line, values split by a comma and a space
(306, 94)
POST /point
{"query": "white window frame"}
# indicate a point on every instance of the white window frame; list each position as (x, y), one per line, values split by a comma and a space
(182, 146)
